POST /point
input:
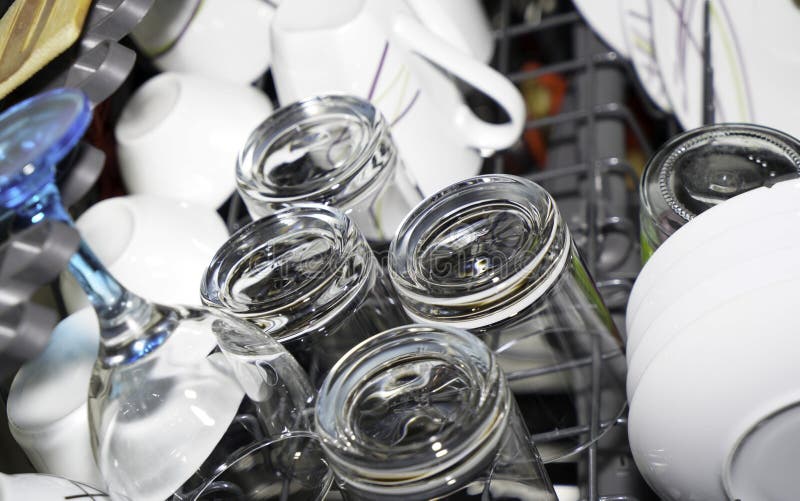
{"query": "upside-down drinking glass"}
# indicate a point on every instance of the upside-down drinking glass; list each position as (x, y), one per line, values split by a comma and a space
(176, 392)
(703, 167)
(492, 255)
(422, 412)
(335, 150)
(307, 277)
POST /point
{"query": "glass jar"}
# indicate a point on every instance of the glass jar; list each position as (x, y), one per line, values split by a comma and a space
(421, 412)
(335, 150)
(492, 255)
(706, 166)
(306, 277)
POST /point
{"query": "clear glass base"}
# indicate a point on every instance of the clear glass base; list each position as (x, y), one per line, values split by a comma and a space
(167, 421)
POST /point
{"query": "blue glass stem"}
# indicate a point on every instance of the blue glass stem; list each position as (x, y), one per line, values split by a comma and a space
(105, 293)
(117, 308)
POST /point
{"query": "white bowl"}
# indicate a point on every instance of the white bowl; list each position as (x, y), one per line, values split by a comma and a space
(743, 209)
(224, 39)
(700, 413)
(759, 273)
(157, 247)
(179, 136)
(720, 254)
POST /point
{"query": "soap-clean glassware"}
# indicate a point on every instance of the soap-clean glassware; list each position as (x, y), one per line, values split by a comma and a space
(330, 149)
(492, 255)
(307, 277)
(703, 167)
(422, 412)
(176, 392)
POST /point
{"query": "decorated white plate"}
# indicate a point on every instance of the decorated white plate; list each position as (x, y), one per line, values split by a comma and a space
(603, 17)
(754, 54)
(636, 25)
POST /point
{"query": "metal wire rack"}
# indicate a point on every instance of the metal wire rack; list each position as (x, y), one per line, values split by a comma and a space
(587, 141)
(587, 169)
(586, 166)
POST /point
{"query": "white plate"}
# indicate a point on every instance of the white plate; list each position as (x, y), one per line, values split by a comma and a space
(603, 17)
(751, 206)
(636, 27)
(724, 253)
(754, 55)
(708, 389)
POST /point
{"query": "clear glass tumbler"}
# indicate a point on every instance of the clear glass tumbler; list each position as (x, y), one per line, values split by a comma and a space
(335, 150)
(492, 255)
(706, 166)
(307, 277)
(421, 412)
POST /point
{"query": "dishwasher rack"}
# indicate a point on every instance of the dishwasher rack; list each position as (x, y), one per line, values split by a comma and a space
(602, 117)
(593, 181)
(595, 186)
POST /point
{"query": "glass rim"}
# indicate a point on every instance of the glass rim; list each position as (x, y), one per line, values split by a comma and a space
(242, 455)
(521, 278)
(315, 302)
(348, 184)
(460, 446)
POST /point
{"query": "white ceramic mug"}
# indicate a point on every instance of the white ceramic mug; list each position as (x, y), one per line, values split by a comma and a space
(378, 50)
(47, 413)
(225, 39)
(157, 247)
(179, 135)
(32, 486)
(463, 23)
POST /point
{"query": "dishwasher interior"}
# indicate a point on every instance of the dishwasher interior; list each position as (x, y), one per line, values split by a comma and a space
(589, 131)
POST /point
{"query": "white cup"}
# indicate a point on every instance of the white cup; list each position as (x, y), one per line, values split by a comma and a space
(32, 486)
(225, 39)
(157, 247)
(179, 136)
(378, 50)
(463, 23)
(46, 407)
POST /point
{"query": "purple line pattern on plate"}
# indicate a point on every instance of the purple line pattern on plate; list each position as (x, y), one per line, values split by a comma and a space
(378, 71)
(683, 16)
(741, 60)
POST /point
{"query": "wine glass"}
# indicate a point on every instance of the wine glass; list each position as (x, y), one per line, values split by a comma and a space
(177, 394)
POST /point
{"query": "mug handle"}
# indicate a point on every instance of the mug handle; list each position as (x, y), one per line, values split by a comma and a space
(485, 136)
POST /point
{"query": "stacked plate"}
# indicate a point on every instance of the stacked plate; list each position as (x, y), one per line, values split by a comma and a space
(753, 55)
(712, 341)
